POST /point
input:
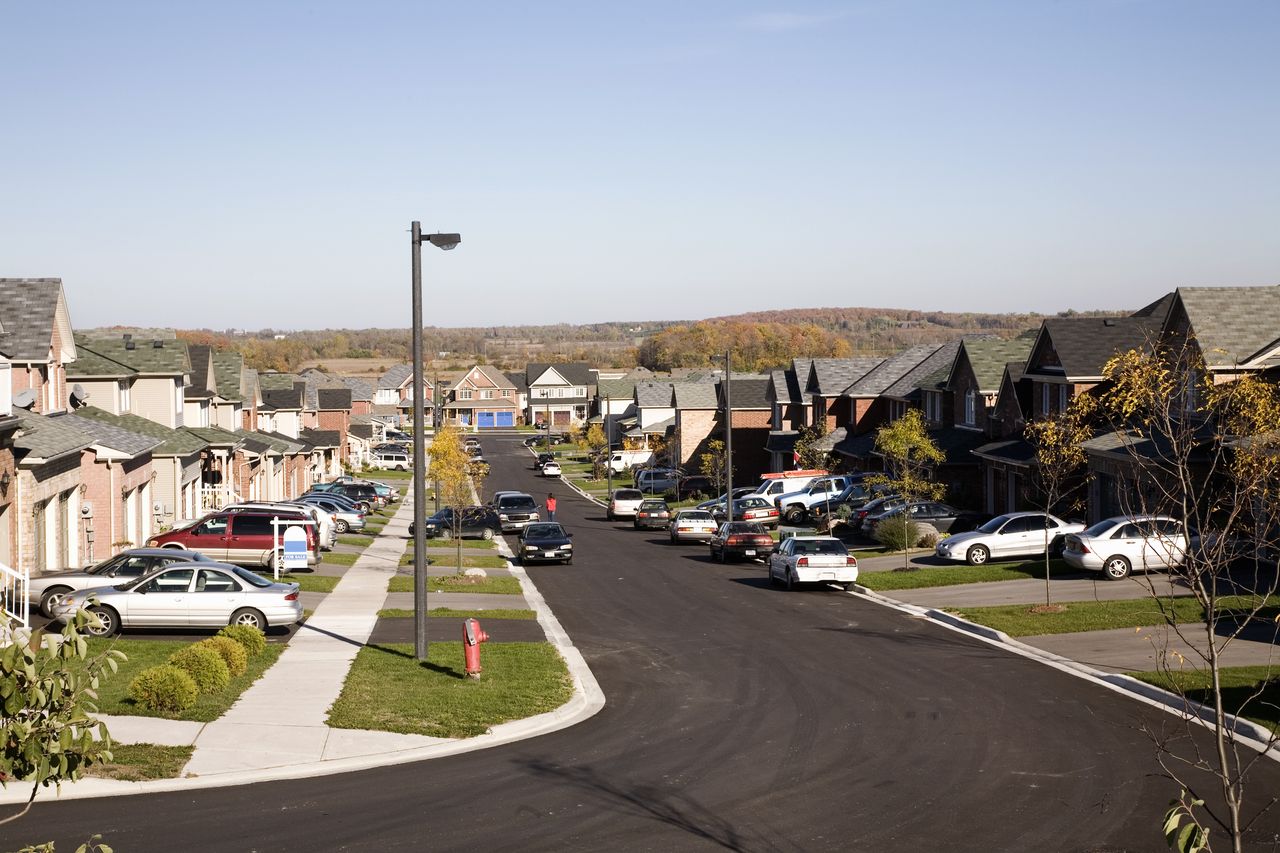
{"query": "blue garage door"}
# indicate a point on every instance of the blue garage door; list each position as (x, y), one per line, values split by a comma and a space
(484, 419)
(506, 419)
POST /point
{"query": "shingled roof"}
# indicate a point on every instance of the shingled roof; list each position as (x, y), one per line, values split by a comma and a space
(616, 389)
(43, 438)
(328, 437)
(874, 382)
(828, 377)
(988, 359)
(361, 389)
(89, 364)
(395, 376)
(147, 356)
(29, 310)
(653, 394)
(271, 380)
(1232, 325)
(695, 395)
(748, 392)
(927, 374)
(173, 442)
(574, 372)
(283, 398)
(202, 378)
(1084, 344)
(228, 375)
(111, 435)
(330, 399)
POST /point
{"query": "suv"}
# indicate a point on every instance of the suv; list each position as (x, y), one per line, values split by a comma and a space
(795, 505)
(244, 537)
(657, 480)
(395, 460)
(515, 510)
(1117, 546)
(623, 503)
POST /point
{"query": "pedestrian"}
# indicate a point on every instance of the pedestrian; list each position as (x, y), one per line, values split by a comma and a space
(551, 506)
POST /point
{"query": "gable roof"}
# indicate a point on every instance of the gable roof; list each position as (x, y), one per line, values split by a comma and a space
(150, 356)
(89, 364)
(492, 375)
(30, 311)
(229, 375)
(202, 377)
(877, 379)
(1232, 325)
(326, 437)
(653, 394)
(329, 399)
(42, 438)
(828, 377)
(1084, 344)
(173, 442)
(271, 380)
(988, 359)
(695, 395)
(616, 389)
(395, 376)
(931, 371)
(283, 398)
(215, 436)
(574, 372)
(361, 389)
(748, 392)
(112, 436)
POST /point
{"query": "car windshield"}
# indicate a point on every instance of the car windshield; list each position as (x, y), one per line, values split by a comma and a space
(695, 515)
(628, 495)
(653, 505)
(746, 527)
(520, 502)
(819, 546)
(994, 524)
(544, 531)
(251, 578)
(1101, 527)
(104, 566)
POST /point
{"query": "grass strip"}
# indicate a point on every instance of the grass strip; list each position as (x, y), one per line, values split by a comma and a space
(451, 613)
(1021, 620)
(354, 539)
(954, 575)
(459, 583)
(388, 690)
(137, 762)
(468, 561)
(480, 544)
(113, 693)
(337, 558)
(1239, 686)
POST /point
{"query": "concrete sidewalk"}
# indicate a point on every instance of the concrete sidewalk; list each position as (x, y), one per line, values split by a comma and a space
(1151, 648)
(1031, 591)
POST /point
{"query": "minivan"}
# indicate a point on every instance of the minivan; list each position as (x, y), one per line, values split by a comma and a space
(245, 538)
(656, 480)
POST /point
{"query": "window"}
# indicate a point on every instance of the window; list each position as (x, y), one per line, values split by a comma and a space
(126, 400)
(486, 395)
(1044, 398)
(213, 581)
(464, 394)
(970, 407)
(212, 527)
(178, 580)
(506, 392)
(252, 525)
(1062, 398)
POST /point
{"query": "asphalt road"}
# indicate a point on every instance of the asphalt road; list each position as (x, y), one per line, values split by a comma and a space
(739, 717)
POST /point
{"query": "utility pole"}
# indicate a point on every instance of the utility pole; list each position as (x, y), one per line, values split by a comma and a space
(728, 438)
(608, 454)
(437, 414)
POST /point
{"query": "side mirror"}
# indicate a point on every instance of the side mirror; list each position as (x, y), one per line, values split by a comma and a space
(570, 535)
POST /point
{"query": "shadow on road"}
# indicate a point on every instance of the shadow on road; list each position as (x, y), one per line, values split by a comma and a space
(658, 803)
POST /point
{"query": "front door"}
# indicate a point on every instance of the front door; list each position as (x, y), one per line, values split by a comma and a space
(161, 600)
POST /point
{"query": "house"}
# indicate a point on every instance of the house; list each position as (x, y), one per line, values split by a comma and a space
(655, 414)
(868, 406)
(395, 384)
(750, 419)
(362, 392)
(197, 409)
(483, 397)
(825, 384)
(117, 475)
(282, 405)
(697, 420)
(151, 380)
(559, 392)
(48, 533)
(333, 416)
(222, 464)
(521, 384)
(235, 391)
(37, 342)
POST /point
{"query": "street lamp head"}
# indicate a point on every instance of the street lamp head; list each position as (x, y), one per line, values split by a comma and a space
(445, 241)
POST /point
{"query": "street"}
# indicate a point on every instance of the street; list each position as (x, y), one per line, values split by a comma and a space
(739, 717)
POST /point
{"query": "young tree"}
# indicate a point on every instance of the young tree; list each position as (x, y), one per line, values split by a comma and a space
(1207, 453)
(45, 717)
(909, 453)
(451, 467)
(808, 456)
(596, 443)
(711, 463)
(1060, 471)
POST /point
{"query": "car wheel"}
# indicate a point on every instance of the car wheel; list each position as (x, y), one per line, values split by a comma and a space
(51, 598)
(977, 555)
(609, 515)
(792, 583)
(724, 556)
(1116, 568)
(794, 514)
(341, 526)
(848, 587)
(400, 468)
(250, 617)
(1057, 547)
(487, 534)
(108, 619)
(446, 535)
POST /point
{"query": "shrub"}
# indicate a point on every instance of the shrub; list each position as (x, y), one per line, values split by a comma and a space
(897, 533)
(253, 640)
(233, 654)
(164, 688)
(205, 666)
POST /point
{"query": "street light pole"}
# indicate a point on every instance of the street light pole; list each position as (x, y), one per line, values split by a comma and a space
(608, 454)
(446, 242)
(728, 438)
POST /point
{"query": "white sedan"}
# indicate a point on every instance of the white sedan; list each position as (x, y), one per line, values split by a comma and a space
(1017, 534)
(813, 559)
(551, 469)
(193, 595)
(695, 525)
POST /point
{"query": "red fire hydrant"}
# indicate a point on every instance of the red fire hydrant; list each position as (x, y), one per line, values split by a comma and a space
(472, 637)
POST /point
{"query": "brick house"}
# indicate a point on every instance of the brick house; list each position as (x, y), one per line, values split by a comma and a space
(333, 415)
(825, 384)
(117, 473)
(697, 420)
(483, 397)
(752, 418)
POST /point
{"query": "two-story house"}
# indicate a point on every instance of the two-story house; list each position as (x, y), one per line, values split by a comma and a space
(560, 392)
(483, 397)
(153, 378)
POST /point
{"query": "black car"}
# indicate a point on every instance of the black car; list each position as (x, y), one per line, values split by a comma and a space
(853, 496)
(858, 519)
(543, 457)
(653, 513)
(943, 518)
(478, 522)
(545, 542)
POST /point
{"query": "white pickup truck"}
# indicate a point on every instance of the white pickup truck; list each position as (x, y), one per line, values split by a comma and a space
(795, 505)
(626, 460)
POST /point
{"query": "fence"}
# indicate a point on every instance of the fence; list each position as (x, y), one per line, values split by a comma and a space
(13, 594)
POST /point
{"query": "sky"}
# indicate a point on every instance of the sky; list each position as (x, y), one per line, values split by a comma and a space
(257, 164)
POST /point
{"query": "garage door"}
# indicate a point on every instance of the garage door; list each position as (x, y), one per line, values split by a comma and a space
(506, 419)
(484, 420)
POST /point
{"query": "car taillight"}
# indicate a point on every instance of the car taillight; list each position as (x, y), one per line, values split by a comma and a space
(1084, 549)
(733, 540)
(851, 561)
(293, 596)
(803, 562)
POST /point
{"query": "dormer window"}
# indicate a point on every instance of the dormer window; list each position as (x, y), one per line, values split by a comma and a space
(1044, 399)
(970, 407)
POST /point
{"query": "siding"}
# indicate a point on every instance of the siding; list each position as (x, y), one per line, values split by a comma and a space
(153, 399)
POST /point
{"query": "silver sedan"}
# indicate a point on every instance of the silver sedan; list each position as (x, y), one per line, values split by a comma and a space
(46, 590)
(200, 595)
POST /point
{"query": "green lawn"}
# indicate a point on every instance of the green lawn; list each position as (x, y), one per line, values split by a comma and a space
(484, 544)
(1018, 620)
(388, 690)
(338, 558)
(382, 474)
(468, 561)
(138, 762)
(113, 695)
(457, 583)
(1239, 683)
(307, 582)
(952, 575)
(450, 613)
(355, 539)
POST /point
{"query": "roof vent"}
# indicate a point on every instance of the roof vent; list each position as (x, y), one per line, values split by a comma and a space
(1108, 322)
(129, 344)
(157, 344)
(128, 336)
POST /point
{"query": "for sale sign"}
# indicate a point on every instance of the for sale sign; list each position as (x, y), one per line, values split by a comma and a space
(295, 547)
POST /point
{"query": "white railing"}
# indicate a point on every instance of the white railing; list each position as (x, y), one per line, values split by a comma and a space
(216, 497)
(14, 584)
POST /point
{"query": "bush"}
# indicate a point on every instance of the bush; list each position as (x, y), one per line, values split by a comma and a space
(233, 654)
(897, 533)
(253, 640)
(205, 666)
(164, 688)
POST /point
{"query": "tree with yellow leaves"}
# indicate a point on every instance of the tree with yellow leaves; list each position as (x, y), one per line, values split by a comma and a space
(909, 455)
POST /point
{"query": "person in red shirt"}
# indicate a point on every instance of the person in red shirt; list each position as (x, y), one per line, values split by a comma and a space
(551, 506)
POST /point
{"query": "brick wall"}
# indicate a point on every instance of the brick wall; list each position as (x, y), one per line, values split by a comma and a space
(694, 426)
(749, 418)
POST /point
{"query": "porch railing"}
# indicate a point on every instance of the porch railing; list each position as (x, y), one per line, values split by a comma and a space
(14, 584)
(216, 497)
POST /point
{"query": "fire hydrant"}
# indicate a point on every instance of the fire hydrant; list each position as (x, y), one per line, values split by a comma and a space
(472, 637)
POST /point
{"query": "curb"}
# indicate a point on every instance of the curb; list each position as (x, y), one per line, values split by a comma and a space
(1246, 731)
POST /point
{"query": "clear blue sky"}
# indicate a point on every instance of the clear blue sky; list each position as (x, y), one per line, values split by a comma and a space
(257, 164)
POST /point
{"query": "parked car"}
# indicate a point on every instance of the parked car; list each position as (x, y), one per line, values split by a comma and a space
(853, 496)
(1118, 546)
(398, 435)
(858, 520)
(345, 516)
(652, 514)
(515, 510)
(740, 540)
(542, 459)
(795, 505)
(694, 486)
(625, 460)
(245, 538)
(195, 595)
(46, 590)
(623, 503)
(775, 485)
(545, 542)
(393, 460)
(551, 469)
(750, 508)
(325, 523)
(656, 480)
(389, 494)
(1013, 534)
(692, 525)
(478, 522)
(364, 497)
(739, 492)
(813, 559)
(471, 443)
(943, 518)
